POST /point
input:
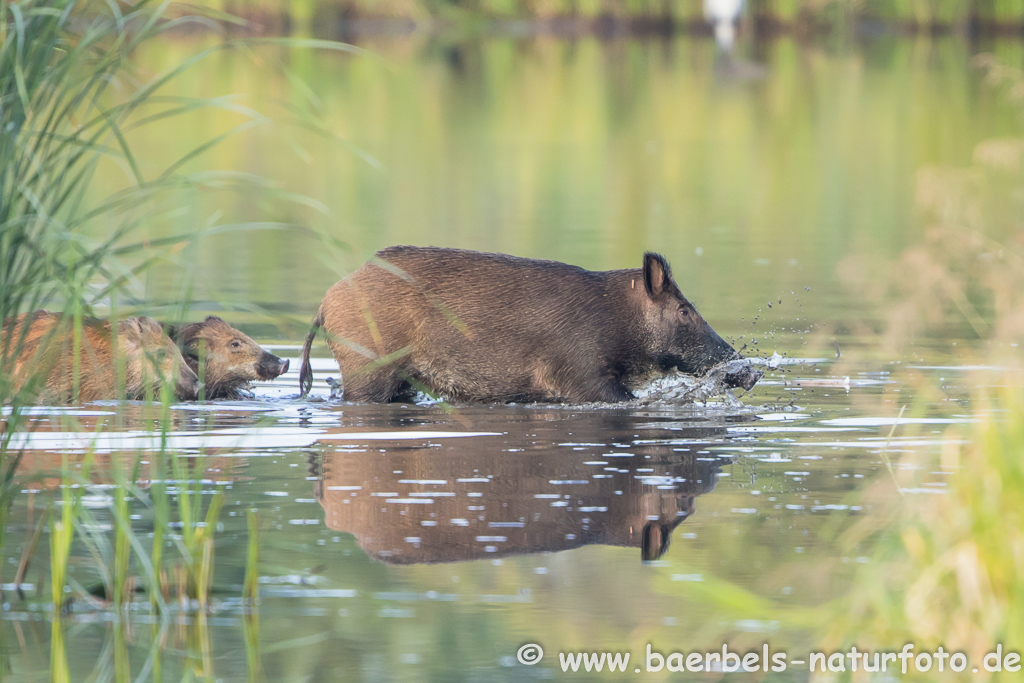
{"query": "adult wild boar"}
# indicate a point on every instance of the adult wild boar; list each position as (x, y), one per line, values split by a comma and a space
(133, 359)
(231, 359)
(490, 327)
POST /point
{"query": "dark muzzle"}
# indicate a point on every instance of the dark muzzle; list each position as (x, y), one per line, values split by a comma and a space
(740, 373)
(271, 366)
(188, 385)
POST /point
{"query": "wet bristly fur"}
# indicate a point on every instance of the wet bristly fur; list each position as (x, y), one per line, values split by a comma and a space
(133, 360)
(491, 327)
(230, 358)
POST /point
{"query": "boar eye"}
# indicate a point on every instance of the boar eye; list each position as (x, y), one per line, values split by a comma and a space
(684, 312)
(236, 344)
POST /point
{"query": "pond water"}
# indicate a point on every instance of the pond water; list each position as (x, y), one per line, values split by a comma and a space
(432, 541)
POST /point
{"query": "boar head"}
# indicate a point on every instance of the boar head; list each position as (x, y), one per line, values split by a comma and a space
(231, 358)
(675, 334)
(152, 360)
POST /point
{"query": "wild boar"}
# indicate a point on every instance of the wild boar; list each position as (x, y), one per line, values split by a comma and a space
(133, 359)
(472, 326)
(231, 359)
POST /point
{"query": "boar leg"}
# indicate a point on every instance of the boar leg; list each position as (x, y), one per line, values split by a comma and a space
(561, 379)
(376, 386)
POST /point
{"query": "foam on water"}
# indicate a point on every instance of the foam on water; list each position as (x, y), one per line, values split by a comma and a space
(677, 387)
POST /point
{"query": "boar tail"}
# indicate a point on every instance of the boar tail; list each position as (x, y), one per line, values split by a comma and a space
(306, 372)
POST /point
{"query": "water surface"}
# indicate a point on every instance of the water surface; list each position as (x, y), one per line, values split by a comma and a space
(406, 540)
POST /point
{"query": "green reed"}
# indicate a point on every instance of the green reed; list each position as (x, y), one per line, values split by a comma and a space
(251, 635)
(251, 584)
(122, 547)
(124, 562)
(59, 671)
(62, 530)
(122, 659)
(161, 520)
(62, 65)
(946, 569)
(70, 100)
(61, 121)
(197, 530)
(251, 595)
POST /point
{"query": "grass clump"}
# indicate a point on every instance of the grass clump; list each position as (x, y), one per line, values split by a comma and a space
(70, 99)
(949, 569)
(66, 104)
(119, 563)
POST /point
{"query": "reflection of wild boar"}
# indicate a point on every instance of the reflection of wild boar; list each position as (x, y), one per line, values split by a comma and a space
(531, 489)
(44, 352)
(231, 358)
(544, 503)
(490, 327)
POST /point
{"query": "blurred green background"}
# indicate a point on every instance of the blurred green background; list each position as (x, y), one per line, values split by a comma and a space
(756, 173)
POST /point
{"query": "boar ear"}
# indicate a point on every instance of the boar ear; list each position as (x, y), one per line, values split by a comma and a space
(129, 333)
(133, 325)
(657, 274)
(190, 349)
(147, 324)
(213, 319)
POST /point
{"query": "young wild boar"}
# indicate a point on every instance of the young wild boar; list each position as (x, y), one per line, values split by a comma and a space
(231, 359)
(43, 352)
(490, 327)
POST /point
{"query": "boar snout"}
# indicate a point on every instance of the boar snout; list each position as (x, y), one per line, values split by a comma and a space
(188, 385)
(741, 374)
(270, 366)
(745, 379)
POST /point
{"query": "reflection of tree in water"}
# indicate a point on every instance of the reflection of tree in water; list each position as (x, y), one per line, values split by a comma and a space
(487, 497)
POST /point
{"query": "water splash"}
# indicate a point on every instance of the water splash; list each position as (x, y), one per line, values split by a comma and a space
(677, 387)
(337, 389)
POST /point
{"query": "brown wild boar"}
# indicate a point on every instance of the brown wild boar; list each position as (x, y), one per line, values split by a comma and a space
(231, 359)
(135, 359)
(490, 327)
